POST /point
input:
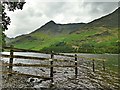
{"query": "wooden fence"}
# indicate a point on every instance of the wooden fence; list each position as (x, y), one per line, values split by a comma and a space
(51, 60)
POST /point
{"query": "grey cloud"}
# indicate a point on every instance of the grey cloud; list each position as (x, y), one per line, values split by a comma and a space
(54, 8)
(105, 7)
(100, 7)
(101, 0)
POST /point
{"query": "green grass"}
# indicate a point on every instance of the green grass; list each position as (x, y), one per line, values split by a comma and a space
(111, 62)
(38, 44)
(85, 39)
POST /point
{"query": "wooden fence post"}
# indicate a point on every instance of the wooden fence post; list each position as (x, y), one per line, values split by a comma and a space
(11, 60)
(76, 69)
(51, 68)
(103, 65)
(93, 65)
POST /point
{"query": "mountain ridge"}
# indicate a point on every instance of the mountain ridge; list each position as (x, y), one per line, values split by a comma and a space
(58, 28)
(51, 22)
(98, 36)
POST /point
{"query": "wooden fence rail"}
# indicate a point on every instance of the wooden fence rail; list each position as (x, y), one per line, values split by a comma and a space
(34, 51)
(23, 57)
(23, 74)
(51, 60)
(33, 58)
(38, 65)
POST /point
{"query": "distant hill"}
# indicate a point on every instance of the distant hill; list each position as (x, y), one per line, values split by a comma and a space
(110, 20)
(52, 28)
(46, 31)
(98, 36)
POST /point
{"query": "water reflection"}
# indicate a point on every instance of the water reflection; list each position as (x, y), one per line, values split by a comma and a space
(112, 61)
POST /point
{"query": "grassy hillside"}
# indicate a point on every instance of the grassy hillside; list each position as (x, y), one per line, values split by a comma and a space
(98, 36)
(99, 40)
(44, 36)
(52, 28)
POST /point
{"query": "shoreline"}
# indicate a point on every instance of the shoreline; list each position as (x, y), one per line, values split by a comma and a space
(13, 81)
(63, 80)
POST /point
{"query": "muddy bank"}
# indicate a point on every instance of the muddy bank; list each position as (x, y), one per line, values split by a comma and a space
(62, 81)
(14, 81)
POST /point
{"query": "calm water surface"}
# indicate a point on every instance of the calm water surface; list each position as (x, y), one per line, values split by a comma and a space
(111, 60)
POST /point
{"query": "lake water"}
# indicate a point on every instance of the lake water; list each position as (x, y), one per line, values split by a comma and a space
(111, 60)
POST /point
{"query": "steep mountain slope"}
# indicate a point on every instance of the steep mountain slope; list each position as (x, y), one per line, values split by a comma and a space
(44, 36)
(98, 36)
(52, 28)
(110, 20)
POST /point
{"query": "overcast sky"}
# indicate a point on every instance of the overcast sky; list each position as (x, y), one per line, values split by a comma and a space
(36, 13)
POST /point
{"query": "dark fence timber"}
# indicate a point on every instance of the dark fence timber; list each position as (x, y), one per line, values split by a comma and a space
(103, 65)
(76, 69)
(11, 60)
(51, 69)
(93, 61)
(51, 60)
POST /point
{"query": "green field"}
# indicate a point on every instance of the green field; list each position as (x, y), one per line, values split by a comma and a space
(95, 41)
(111, 61)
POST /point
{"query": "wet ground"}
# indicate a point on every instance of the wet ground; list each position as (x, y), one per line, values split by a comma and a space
(64, 78)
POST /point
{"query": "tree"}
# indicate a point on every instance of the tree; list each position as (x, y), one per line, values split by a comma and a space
(11, 5)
